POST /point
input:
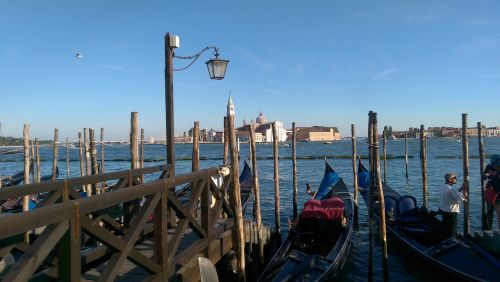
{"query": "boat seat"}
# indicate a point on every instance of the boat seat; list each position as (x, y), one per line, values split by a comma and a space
(331, 209)
(410, 218)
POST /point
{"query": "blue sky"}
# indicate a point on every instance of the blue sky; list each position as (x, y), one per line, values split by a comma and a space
(311, 62)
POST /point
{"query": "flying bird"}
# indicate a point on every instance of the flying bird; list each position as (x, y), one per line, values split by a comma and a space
(78, 55)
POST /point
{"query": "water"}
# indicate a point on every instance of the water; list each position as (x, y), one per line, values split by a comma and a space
(443, 155)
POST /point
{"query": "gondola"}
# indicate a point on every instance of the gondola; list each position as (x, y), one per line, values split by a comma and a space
(318, 244)
(420, 231)
(16, 178)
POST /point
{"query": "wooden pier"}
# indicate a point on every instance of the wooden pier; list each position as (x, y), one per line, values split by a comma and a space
(84, 238)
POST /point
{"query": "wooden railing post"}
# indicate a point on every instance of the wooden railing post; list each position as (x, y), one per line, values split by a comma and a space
(68, 250)
(205, 215)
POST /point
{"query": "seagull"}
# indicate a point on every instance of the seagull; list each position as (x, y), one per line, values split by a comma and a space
(78, 55)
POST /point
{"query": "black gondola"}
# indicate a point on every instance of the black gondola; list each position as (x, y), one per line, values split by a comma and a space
(421, 232)
(318, 245)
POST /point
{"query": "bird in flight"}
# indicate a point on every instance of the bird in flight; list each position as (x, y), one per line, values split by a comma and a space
(78, 56)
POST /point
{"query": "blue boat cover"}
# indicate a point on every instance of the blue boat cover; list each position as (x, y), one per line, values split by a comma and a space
(363, 176)
(329, 180)
(246, 174)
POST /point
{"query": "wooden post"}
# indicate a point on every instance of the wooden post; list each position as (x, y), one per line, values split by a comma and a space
(226, 142)
(236, 196)
(101, 171)
(294, 171)
(406, 154)
(354, 172)
(26, 198)
(370, 198)
(55, 155)
(385, 152)
(67, 157)
(276, 182)
(80, 156)
(381, 202)
(26, 143)
(38, 172)
(484, 222)
(258, 218)
(423, 159)
(93, 157)
(32, 157)
(143, 145)
(129, 208)
(465, 148)
(87, 156)
(195, 163)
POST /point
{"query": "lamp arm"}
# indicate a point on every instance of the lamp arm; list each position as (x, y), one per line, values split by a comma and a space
(196, 56)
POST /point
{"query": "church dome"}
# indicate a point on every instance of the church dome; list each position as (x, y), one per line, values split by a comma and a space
(261, 119)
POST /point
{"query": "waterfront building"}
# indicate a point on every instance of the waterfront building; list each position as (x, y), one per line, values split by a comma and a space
(263, 130)
(317, 133)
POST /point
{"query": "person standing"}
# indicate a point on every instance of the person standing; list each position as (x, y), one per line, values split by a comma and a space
(450, 198)
(492, 191)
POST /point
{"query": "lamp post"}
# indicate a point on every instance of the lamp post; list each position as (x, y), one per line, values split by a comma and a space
(216, 70)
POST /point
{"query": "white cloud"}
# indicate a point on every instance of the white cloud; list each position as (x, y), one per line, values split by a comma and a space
(383, 74)
(260, 62)
(111, 67)
(482, 43)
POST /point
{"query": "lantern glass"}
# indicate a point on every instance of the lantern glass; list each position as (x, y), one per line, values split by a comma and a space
(217, 68)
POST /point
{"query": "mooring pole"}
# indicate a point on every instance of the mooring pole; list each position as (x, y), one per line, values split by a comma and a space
(406, 154)
(38, 172)
(226, 142)
(236, 196)
(103, 185)
(67, 157)
(381, 202)
(26, 147)
(195, 162)
(354, 171)
(258, 218)
(143, 145)
(294, 171)
(384, 136)
(32, 156)
(370, 198)
(276, 182)
(484, 221)
(423, 158)
(93, 157)
(55, 155)
(86, 144)
(465, 148)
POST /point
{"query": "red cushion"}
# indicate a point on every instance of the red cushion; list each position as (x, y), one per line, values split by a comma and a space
(329, 209)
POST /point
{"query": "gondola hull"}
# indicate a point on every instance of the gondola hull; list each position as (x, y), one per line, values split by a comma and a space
(421, 233)
(318, 255)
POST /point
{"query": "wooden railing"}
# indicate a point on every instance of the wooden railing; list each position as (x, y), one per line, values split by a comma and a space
(69, 222)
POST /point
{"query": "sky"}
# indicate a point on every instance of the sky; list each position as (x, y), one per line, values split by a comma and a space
(319, 62)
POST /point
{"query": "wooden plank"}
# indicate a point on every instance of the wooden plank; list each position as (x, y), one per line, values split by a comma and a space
(37, 252)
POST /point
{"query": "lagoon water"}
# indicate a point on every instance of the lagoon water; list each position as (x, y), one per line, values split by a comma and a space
(443, 155)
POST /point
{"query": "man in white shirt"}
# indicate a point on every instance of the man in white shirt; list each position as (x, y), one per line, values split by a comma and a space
(450, 198)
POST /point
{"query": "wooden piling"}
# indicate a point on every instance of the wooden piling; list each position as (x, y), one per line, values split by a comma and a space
(101, 171)
(55, 155)
(484, 222)
(195, 163)
(423, 160)
(354, 170)
(294, 171)
(129, 208)
(465, 158)
(406, 154)
(67, 157)
(381, 202)
(32, 156)
(93, 159)
(86, 144)
(276, 182)
(258, 218)
(143, 145)
(384, 136)
(370, 198)
(226, 142)
(239, 232)
(38, 172)
(26, 147)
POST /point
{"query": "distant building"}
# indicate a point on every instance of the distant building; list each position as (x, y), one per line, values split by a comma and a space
(263, 130)
(493, 131)
(317, 133)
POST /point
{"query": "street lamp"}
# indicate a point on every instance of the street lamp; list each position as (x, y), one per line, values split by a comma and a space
(216, 70)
